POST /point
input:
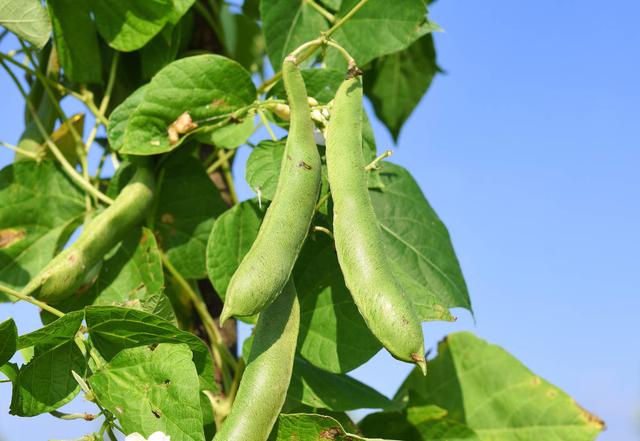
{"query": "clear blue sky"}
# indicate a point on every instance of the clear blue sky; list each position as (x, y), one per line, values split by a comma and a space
(529, 149)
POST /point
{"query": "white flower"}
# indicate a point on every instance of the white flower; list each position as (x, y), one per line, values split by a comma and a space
(157, 436)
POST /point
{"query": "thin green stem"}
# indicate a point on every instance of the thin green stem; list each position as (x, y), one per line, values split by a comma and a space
(73, 416)
(219, 348)
(71, 172)
(346, 18)
(222, 157)
(337, 25)
(267, 125)
(226, 171)
(347, 56)
(374, 164)
(31, 300)
(326, 14)
(322, 200)
(23, 152)
(105, 101)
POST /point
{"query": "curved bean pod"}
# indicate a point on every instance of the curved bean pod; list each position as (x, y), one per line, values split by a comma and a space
(380, 299)
(265, 381)
(67, 271)
(267, 266)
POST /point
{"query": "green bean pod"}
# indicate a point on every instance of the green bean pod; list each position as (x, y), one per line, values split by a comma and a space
(380, 299)
(67, 272)
(265, 381)
(267, 266)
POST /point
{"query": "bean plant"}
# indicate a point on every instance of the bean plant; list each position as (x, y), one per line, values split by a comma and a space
(121, 225)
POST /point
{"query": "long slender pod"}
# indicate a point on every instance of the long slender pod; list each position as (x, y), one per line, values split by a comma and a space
(265, 381)
(67, 271)
(267, 266)
(378, 296)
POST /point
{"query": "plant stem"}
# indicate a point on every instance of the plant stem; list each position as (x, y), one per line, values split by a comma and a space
(73, 174)
(73, 416)
(219, 348)
(23, 152)
(326, 14)
(105, 101)
(346, 18)
(274, 79)
(226, 171)
(373, 164)
(266, 124)
(222, 157)
(323, 230)
(202, 10)
(31, 300)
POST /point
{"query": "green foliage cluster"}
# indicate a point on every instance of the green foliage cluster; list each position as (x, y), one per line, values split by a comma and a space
(131, 309)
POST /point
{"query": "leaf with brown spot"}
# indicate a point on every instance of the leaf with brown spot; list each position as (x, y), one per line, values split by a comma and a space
(9, 236)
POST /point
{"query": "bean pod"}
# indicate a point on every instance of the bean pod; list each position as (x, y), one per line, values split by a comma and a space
(67, 272)
(265, 381)
(267, 266)
(380, 299)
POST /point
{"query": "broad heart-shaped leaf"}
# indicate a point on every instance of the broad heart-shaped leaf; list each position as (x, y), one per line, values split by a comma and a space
(45, 383)
(286, 25)
(418, 246)
(56, 333)
(8, 337)
(113, 329)
(310, 427)
(204, 86)
(231, 238)
(395, 83)
(483, 386)
(187, 205)
(39, 208)
(243, 39)
(333, 335)
(379, 28)
(76, 40)
(27, 19)
(424, 423)
(263, 167)
(317, 388)
(120, 117)
(152, 389)
(127, 25)
(131, 276)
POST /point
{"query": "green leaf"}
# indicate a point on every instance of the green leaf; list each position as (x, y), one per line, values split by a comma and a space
(76, 40)
(187, 205)
(381, 27)
(243, 39)
(56, 333)
(263, 167)
(180, 8)
(131, 276)
(27, 19)
(418, 246)
(113, 329)
(286, 25)
(120, 117)
(46, 383)
(204, 86)
(317, 388)
(484, 387)
(8, 338)
(152, 389)
(231, 135)
(39, 208)
(332, 4)
(160, 51)
(425, 423)
(231, 238)
(333, 335)
(396, 83)
(310, 427)
(127, 25)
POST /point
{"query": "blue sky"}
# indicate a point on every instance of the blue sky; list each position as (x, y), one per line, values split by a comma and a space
(529, 149)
